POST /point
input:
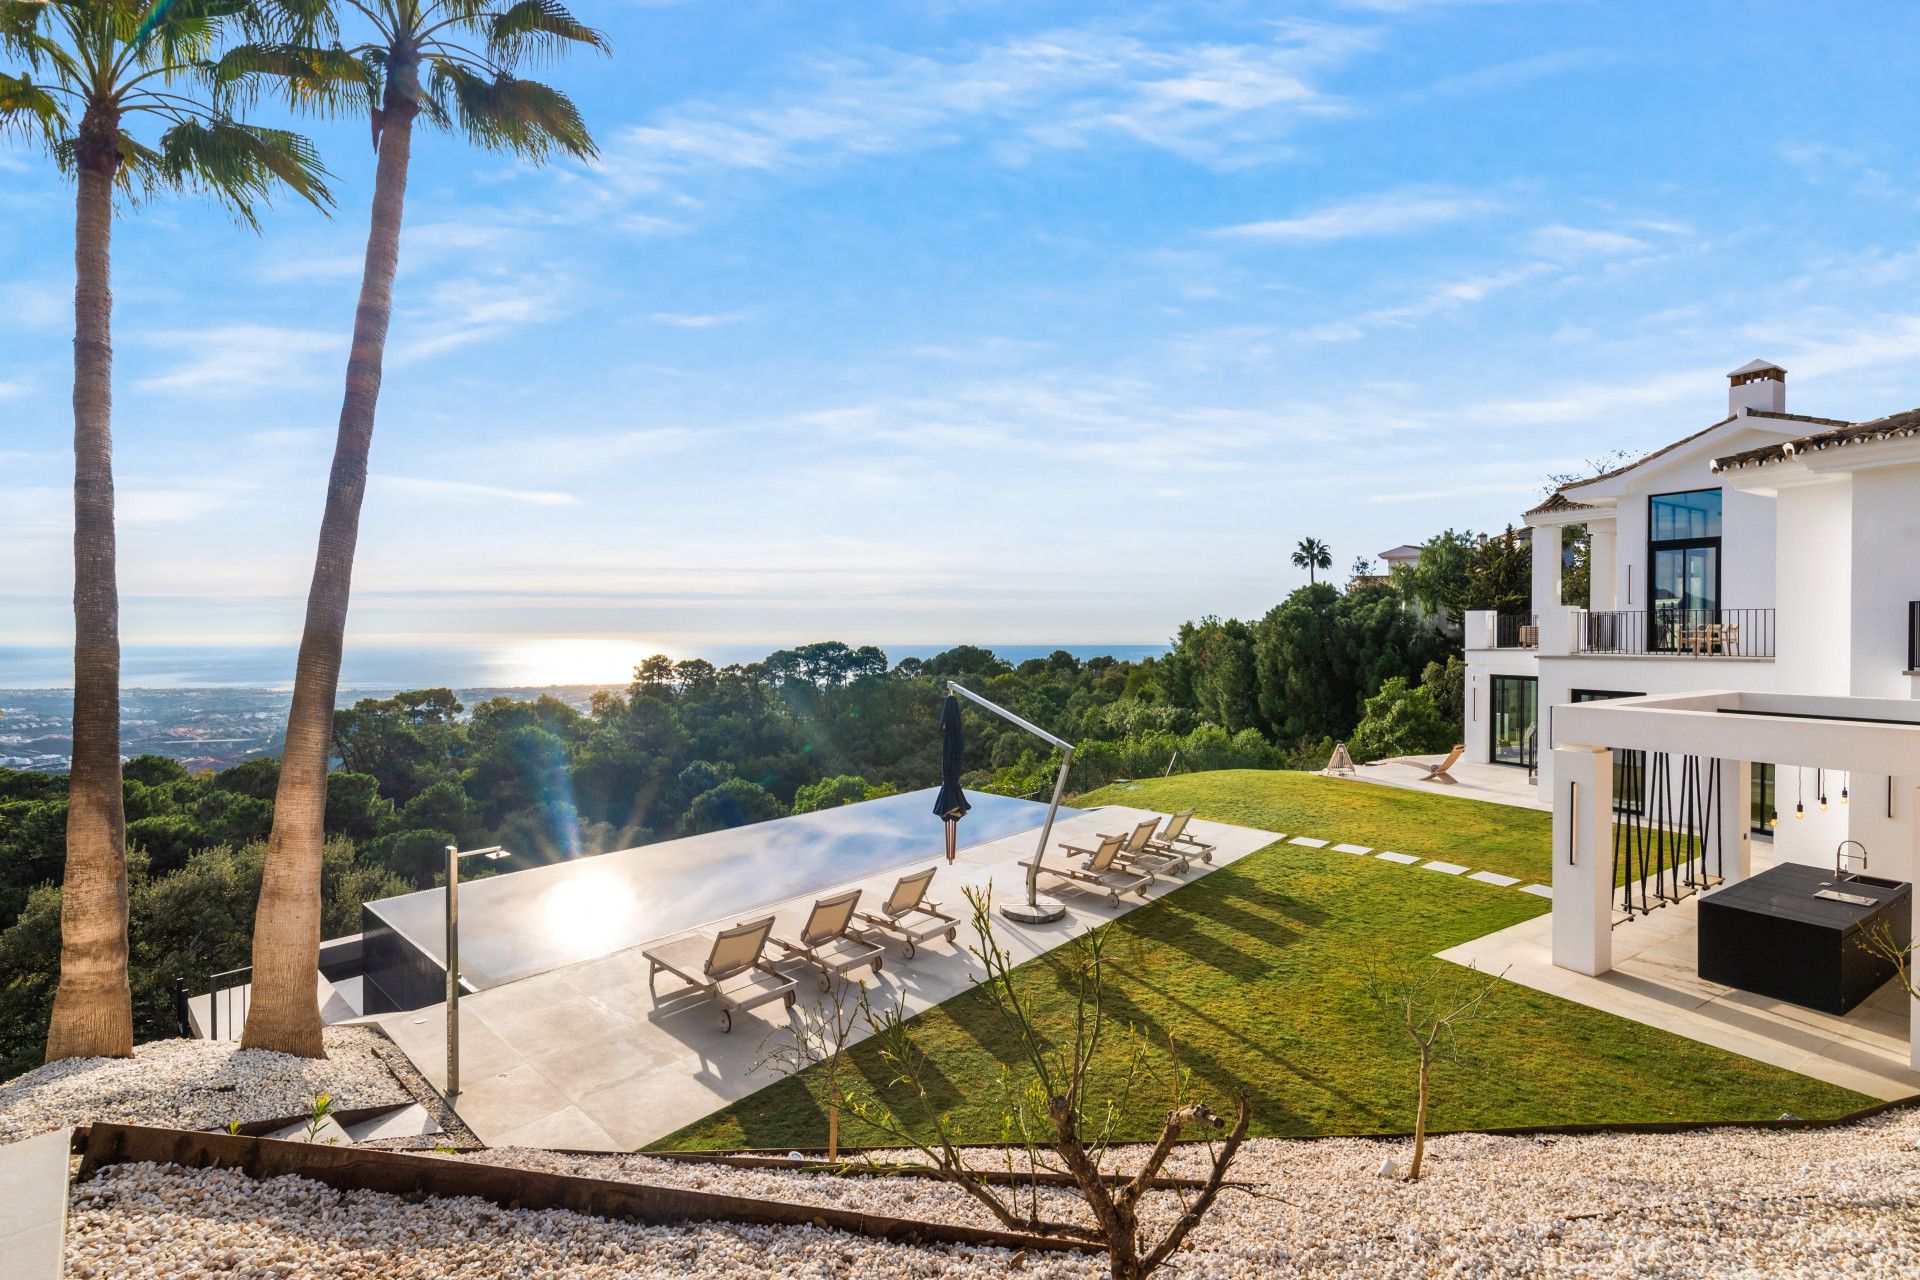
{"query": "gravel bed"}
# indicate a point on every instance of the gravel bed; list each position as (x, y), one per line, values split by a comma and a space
(1727, 1203)
(198, 1084)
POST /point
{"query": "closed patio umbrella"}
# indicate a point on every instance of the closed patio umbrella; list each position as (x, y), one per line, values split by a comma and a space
(951, 804)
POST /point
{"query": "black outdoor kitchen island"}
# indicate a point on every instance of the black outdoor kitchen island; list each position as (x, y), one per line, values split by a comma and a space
(1772, 936)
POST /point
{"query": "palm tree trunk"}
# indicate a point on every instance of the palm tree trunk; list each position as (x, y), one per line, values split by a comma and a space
(93, 1005)
(284, 1013)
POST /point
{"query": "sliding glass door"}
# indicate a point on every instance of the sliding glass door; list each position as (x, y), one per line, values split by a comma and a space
(1683, 547)
(1516, 713)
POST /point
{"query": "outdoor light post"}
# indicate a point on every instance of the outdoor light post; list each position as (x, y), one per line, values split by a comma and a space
(454, 855)
(1036, 909)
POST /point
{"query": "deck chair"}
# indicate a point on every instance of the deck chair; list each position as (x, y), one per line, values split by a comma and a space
(1139, 853)
(1438, 772)
(907, 916)
(1102, 871)
(826, 943)
(727, 968)
(1173, 838)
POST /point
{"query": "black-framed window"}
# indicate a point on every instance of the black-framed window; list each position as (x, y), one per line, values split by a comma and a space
(1512, 726)
(1683, 564)
(1629, 767)
(1766, 799)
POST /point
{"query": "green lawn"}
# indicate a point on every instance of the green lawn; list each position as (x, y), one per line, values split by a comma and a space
(1256, 970)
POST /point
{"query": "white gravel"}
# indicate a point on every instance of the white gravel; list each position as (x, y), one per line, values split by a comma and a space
(1726, 1203)
(197, 1084)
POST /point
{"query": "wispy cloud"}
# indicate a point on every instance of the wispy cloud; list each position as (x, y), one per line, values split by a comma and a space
(460, 313)
(687, 320)
(1386, 214)
(1218, 103)
(12, 387)
(1562, 242)
(237, 359)
(434, 490)
(1519, 71)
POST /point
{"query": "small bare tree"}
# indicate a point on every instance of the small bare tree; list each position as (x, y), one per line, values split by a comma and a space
(1049, 1117)
(1879, 940)
(1427, 1002)
(813, 1047)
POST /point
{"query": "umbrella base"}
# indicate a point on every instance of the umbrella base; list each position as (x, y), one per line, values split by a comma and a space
(1043, 910)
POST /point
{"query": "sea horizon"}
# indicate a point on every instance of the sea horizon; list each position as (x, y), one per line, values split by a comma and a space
(378, 667)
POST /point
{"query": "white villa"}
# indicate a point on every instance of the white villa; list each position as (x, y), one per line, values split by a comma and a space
(1745, 669)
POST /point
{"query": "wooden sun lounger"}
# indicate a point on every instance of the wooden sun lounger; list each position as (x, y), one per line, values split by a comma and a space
(1139, 852)
(727, 968)
(1438, 772)
(907, 917)
(1100, 872)
(828, 943)
(1173, 838)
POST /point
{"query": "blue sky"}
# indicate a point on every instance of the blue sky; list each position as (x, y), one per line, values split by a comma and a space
(937, 320)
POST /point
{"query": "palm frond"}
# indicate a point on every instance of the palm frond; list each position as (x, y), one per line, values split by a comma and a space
(509, 114)
(242, 165)
(541, 29)
(29, 111)
(325, 80)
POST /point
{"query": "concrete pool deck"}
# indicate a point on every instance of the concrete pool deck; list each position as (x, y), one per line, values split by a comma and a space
(582, 1056)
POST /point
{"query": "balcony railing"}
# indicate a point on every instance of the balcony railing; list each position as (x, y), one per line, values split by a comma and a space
(1516, 631)
(1689, 633)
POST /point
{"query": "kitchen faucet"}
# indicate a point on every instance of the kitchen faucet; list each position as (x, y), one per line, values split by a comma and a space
(1840, 857)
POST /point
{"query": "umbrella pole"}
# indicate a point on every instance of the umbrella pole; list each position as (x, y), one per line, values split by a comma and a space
(1036, 909)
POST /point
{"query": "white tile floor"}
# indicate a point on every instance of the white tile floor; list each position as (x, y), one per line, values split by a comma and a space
(584, 1057)
(1494, 783)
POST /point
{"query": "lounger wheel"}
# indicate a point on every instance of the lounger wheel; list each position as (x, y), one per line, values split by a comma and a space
(952, 933)
(787, 999)
(826, 984)
(726, 1021)
(876, 966)
(909, 948)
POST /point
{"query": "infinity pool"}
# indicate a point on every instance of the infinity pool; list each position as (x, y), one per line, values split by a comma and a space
(514, 926)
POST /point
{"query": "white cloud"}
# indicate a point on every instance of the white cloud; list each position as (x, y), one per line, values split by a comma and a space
(459, 313)
(1216, 103)
(237, 359)
(1386, 214)
(12, 387)
(432, 490)
(1520, 71)
(1562, 242)
(683, 320)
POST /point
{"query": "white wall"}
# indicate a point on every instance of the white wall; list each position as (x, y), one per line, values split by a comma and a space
(1815, 619)
(1559, 677)
(1886, 576)
(1747, 534)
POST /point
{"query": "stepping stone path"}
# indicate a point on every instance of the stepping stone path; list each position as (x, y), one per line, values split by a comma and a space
(1493, 878)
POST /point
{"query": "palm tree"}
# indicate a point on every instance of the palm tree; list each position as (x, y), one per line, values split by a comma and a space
(90, 69)
(1310, 555)
(449, 64)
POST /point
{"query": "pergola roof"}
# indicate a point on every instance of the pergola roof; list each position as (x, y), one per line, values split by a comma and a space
(1865, 735)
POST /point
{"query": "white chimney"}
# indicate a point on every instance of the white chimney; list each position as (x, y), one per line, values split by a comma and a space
(1757, 385)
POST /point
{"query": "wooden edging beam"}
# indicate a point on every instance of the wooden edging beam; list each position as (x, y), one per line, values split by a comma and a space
(402, 1174)
(857, 1169)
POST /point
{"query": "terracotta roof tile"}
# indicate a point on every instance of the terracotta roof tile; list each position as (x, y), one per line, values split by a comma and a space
(1892, 427)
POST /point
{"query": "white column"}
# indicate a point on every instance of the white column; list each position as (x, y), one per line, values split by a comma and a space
(1735, 820)
(1546, 589)
(1602, 544)
(1583, 859)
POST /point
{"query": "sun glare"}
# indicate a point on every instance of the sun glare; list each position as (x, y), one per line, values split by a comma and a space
(573, 661)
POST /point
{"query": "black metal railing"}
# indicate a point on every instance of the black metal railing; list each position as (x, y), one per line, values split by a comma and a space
(1516, 631)
(1691, 633)
(235, 997)
(1913, 635)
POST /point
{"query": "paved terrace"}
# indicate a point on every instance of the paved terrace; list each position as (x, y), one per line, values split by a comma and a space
(581, 1057)
(1655, 980)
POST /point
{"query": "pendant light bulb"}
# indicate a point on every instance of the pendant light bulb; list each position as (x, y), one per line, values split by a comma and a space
(1800, 811)
(1843, 788)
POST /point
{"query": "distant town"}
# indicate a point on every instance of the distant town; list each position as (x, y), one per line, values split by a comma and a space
(202, 728)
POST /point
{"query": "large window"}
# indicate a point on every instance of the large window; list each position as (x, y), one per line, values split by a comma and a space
(1629, 767)
(1683, 547)
(1516, 713)
(1766, 803)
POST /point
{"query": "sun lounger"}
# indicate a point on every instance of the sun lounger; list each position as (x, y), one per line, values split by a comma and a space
(1438, 772)
(727, 968)
(907, 916)
(1102, 871)
(1173, 838)
(1138, 852)
(827, 943)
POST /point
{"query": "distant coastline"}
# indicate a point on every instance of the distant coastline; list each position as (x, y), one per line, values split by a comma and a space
(377, 668)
